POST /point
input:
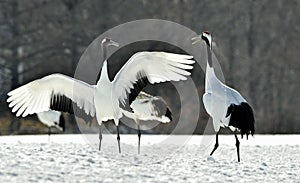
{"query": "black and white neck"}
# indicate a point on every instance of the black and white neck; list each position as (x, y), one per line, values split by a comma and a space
(207, 38)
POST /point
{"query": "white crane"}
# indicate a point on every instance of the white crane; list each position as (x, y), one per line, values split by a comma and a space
(58, 92)
(225, 105)
(148, 107)
(52, 118)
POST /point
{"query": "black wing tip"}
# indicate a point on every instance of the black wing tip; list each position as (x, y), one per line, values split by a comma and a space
(169, 114)
(61, 103)
(142, 82)
(242, 117)
(65, 104)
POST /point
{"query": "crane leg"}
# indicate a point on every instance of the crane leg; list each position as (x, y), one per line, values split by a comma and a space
(216, 145)
(118, 138)
(139, 136)
(100, 137)
(49, 133)
(237, 144)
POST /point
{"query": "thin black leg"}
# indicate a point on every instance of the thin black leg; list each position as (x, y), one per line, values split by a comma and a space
(49, 133)
(216, 145)
(118, 138)
(100, 137)
(139, 136)
(237, 144)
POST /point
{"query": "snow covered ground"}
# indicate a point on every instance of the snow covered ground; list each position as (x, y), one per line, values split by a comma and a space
(163, 158)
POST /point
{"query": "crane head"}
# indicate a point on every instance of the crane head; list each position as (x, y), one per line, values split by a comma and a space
(206, 36)
(108, 41)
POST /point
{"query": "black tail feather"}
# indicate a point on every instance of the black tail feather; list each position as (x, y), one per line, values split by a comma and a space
(169, 114)
(242, 117)
(62, 122)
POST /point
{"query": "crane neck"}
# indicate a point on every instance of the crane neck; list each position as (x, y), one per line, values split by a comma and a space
(209, 56)
(104, 52)
(104, 71)
(210, 73)
(104, 74)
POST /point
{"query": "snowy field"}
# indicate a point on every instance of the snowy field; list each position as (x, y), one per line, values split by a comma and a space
(73, 158)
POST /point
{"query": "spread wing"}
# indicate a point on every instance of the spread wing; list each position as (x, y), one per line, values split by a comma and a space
(56, 92)
(145, 68)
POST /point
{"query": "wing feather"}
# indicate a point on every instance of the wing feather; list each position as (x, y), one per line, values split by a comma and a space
(148, 68)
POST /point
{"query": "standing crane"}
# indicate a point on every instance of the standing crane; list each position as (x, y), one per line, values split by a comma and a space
(225, 105)
(60, 92)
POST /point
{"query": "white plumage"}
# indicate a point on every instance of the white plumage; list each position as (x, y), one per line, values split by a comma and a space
(59, 92)
(38, 95)
(217, 98)
(225, 105)
(156, 66)
(50, 118)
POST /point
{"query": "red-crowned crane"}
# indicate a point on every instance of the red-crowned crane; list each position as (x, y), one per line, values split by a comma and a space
(225, 105)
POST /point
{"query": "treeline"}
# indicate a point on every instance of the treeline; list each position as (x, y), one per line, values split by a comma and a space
(256, 42)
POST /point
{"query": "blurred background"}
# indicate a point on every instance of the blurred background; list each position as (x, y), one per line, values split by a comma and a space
(257, 44)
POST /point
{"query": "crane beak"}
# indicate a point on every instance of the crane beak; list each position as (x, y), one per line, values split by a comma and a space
(113, 43)
(196, 39)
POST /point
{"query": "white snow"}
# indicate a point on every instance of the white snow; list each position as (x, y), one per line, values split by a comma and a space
(163, 158)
